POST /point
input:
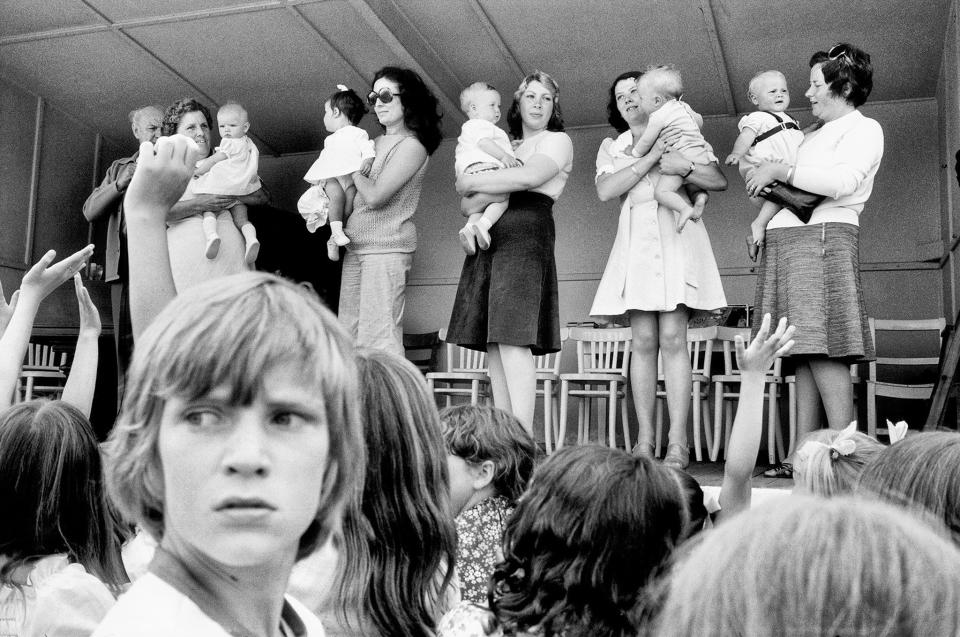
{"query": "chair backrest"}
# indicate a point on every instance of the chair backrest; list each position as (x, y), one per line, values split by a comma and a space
(461, 359)
(700, 345)
(423, 350)
(933, 326)
(44, 356)
(551, 362)
(602, 350)
(727, 337)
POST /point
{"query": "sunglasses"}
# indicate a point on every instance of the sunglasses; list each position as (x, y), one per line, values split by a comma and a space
(385, 97)
(840, 52)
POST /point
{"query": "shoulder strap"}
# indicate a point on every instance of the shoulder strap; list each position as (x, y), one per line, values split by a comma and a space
(783, 125)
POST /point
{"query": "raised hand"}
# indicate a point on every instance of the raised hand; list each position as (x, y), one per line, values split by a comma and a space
(163, 171)
(7, 309)
(89, 316)
(46, 276)
(764, 350)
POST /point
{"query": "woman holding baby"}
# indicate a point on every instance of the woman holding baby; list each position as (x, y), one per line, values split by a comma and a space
(654, 274)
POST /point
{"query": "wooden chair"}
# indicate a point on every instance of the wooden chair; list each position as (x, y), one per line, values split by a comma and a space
(465, 375)
(423, 350)
(548, 386)
(603, 361)
(700, 345)
(726, 390)
(42, 373)
(901, 390)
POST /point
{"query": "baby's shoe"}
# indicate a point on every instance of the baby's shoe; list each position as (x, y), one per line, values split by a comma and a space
(252, 252)
(213, 246)
(483, 237)
(468, 239)
(333, 250)
(339, 238)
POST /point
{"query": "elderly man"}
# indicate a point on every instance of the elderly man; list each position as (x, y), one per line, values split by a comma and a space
(107, 202)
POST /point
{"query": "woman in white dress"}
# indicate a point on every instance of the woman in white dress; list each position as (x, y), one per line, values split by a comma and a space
(654, 274)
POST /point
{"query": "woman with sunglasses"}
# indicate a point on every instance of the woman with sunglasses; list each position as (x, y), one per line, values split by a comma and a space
(810, 272)
(381, 230)
(506, 302)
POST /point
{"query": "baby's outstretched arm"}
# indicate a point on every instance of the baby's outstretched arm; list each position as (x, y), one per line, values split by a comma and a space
(741, 147)
(39, 281)
(204, 165)
(491, 148)
(753, 361)
(82, 381)
(161, 177)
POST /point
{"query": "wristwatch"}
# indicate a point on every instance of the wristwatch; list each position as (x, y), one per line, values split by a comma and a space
(687, 174)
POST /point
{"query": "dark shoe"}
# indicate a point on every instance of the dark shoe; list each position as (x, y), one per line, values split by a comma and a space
(782, 470)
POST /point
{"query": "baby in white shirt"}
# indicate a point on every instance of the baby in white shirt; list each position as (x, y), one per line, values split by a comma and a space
(482, 146)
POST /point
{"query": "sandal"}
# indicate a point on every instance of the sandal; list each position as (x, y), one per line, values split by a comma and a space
(643, 449)
(677, 456)
(782, 470)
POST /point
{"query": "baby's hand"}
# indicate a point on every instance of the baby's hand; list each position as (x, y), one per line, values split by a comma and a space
(732, 159)
(761, 353)
(163, 171)
(43, 278)
(89, 316)
(365, 166)
(512, 162)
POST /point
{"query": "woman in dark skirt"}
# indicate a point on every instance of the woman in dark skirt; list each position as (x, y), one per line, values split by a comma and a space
(506, 302)
(810, 272)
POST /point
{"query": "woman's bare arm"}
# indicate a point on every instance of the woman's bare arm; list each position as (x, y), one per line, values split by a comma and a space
(613, 185)
(407, 159)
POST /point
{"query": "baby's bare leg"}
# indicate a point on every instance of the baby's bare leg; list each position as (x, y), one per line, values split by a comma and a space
(242, 222)
(338, 205)
(209, 225)
(666, 195)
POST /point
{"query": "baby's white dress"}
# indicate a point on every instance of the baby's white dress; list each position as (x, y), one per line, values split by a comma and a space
(343, 153)
(235, 175)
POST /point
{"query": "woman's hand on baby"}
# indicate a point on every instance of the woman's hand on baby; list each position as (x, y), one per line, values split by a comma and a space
(765, 348)
(163, 170)
(46, 276)
(89, 316)
(365, 166)
(463, 185)
(762, 176)
(512, 162)
(670, 136)
(674, 162)
(204, 202)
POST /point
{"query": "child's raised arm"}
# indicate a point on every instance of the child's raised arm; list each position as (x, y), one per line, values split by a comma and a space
(82, 381)
(753, 362)
(39, 281)
(7, 309)
(742, 146)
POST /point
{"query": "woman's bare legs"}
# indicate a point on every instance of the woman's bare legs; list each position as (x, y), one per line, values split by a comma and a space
(643, 373)
(676, 371)
(836, 390)
(513, 379)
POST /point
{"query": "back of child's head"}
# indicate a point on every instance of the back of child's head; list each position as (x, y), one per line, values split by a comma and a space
(922, 470)
(234, 107)
(829, 462)
(478, 433)
(472, 93)
(349, 103)
(756, 82)
(51, 490)
(812, 566)
(692, 492)
(664, 79)
(225, 335)
(594, 526)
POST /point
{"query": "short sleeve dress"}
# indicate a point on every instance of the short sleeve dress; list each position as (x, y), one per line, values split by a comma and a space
(508, 294)
(235, 175)
(652, 267)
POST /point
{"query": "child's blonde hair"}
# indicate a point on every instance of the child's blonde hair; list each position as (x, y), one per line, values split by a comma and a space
(472, 93)
(753, 88)
(234, 107)
(810, 566)
(665, 79)
(227, 334)
(829, 462)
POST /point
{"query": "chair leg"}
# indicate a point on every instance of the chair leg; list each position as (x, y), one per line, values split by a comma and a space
(623, 417)
(474, 392)
(771, 423)
(695, 398)
(564, 396)
(658, 423)
(718, 428)
(872, 409)
(792, 416)
(547, 427)
(612, 415)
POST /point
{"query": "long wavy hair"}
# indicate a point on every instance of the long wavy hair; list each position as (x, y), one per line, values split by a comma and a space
(515, 122)
(594, 527)
(399, 540)
(421, 110)
(51, 487)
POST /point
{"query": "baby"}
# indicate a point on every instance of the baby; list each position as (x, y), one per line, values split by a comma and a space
(659, 90)
(346, 150)
(230, 170)
(482, 146)
(767, 134)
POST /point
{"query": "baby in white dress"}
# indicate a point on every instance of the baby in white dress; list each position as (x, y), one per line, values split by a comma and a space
(482, 146)
(767, 134)
(660, 89)
(346, 150)
(230, 170)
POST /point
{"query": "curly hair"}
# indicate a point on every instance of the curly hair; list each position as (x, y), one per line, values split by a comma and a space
(171, 117)
(594, 527)
(350, 104)
(847, 72)
(613, 113)
(478, 433)
(421, 111)
(515, 123)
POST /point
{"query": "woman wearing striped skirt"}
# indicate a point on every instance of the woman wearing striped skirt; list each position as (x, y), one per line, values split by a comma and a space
(810, 273)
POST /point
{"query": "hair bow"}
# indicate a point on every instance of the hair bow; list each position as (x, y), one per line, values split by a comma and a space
(897, 432)
(843, 444)
(341, 87)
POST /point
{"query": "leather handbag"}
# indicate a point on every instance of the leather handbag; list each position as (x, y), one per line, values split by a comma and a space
(799, 201)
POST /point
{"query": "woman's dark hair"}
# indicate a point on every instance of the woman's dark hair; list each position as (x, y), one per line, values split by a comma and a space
(515, 122)
(613, 113)
(399, 540)
(847, 72)
(693, 497)
(349, 103)
(592, 530)
(478, 433)
(421, 111)
(51, 487)
(171, 117)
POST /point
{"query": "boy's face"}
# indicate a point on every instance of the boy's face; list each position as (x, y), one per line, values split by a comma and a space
(772, 94)
(232, 123)
(486, 106)
(647, 99)
(242, 483)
